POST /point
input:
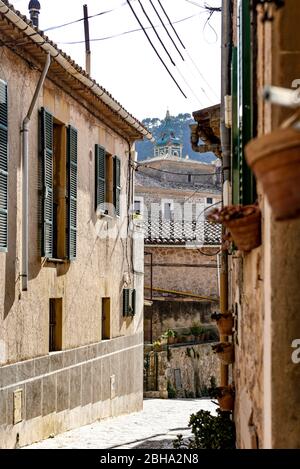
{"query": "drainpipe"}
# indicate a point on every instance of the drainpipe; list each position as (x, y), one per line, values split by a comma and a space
(25, 148)
(226, 51)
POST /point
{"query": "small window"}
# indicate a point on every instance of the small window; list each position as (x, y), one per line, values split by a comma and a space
(189, 178)
(167, 210)
(137, 207)
(106, 334)
(129, 302)
(209, 200)
(55, 324)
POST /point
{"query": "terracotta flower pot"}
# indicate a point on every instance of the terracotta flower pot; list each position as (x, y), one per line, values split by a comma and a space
(226, 402)
(225, 352)
(246, 231)
(225, 324)
(275, 161)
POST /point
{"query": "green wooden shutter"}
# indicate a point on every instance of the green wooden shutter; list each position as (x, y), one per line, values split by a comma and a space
(47, 167)
(100, 167)
(117, 184)
(3, 167)
(72, 152)
(243, 105)
(126, 293)
(129, 302)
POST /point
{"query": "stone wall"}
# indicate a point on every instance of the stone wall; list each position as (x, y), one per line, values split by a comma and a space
(265, 294)
(70, 389)
(186, 369)
(174, 314)
(182, 269)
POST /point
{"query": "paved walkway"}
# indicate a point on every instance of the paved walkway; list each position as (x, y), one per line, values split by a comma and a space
(155, 427)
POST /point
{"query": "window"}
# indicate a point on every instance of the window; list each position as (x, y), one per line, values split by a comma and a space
(55, 324)
(189, 178)
(167, 209)
(117, 185)
(58, 150)
(129, 302)
(209, 200)
(106, 334)
(243, 104)
(137, 207)
(3, 167)
(107, 191)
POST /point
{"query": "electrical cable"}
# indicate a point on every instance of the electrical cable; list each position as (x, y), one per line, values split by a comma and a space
(165, 28)
(189, 56)
(113, 36)
(81, 19)
(170, 23)
(162, 43)
(154, 48)
(171, 172)
(156, 33)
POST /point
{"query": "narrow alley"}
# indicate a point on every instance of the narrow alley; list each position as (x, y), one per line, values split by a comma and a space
(155, 427)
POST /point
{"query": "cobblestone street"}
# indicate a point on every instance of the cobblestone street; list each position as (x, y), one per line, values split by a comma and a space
(155, 427)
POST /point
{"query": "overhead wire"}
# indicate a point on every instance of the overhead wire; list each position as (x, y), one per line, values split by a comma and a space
(188, 54)
(113, 36)
(165, 28)
(156, 33)
(154, 48)
(166, 50)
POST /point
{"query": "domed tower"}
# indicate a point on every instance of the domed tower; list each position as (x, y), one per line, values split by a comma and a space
(34, 8)
(168, 145)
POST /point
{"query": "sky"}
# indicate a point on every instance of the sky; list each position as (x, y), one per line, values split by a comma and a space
(127, 67)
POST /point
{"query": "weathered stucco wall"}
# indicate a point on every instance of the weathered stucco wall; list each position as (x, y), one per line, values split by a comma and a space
(102, 269)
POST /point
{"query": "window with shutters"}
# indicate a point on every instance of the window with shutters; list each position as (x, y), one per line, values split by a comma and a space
(129, 302)
(58, 149)
(243, 103)
(117, 185)
(3, 167)
(104, 198)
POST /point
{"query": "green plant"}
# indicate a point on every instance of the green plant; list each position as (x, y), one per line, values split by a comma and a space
(197, 329)
(171, 391)
(210, 432)
(169, 333)
(156, 345)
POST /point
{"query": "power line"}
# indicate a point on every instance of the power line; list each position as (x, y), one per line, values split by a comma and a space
(170, 23)
(165, 28)
(153, 47)
(156, 33)
(162, 43)
(128, 32)
(168, 18)
(81, 19)
(171, 172)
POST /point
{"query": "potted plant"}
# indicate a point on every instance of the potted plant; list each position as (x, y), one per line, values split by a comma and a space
(243, 223)
(225, 352)
(224, 322)
(197, 330)
(170, 335)
(224, 395)
(275, 160)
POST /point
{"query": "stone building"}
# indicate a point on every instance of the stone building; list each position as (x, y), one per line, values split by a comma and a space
(71, 302)
(181, 249)
(260, 46)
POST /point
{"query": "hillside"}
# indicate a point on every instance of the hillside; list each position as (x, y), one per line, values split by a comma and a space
(181, 127)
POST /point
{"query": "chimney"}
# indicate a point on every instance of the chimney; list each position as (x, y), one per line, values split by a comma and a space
(34, 11)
